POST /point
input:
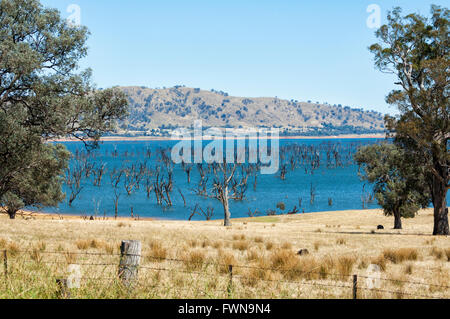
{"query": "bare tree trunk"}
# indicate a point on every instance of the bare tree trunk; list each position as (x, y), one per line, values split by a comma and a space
(226, 209)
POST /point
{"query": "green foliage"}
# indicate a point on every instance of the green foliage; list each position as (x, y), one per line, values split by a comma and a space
(399, 184)
(42, 96)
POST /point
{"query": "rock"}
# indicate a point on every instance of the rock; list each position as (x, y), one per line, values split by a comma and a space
(380, 227)
(303, 252)
(92, 218)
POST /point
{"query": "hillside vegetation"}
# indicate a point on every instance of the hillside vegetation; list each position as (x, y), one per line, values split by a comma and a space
(153, 111)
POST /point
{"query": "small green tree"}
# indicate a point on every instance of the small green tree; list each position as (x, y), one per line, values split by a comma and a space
(399, 185)
(40, 185)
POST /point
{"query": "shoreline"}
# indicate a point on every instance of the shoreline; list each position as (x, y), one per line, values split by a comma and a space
(27, 214)
(162, 138)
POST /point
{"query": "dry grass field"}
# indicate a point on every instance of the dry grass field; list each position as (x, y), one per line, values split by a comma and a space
(190, 259)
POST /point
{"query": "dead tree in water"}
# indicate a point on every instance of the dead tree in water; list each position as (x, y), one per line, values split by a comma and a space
(312, 194)
(98, 174)
(221, 186)
(197, 210)
(254, 213)
(162, 190)
(182, 196)
(187, 168)
(148, 182)
(115, 177)
(73, 180)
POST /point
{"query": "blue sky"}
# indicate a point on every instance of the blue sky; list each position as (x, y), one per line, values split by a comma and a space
(303, 50)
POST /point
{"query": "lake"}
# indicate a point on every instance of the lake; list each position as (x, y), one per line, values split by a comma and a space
(324, 170)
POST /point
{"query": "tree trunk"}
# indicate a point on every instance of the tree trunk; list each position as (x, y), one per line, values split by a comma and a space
(12, 214)
(397, 220)
(439, 190)
(226, 209)
(440, 208)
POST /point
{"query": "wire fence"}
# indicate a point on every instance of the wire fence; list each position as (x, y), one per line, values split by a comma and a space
(230, 274)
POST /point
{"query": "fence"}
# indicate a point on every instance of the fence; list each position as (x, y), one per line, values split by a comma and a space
(129, 274)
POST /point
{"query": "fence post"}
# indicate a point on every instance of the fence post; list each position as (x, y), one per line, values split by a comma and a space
(230, 283)
(355, 286)
(130, 257)
(5, 262)
(63, 290)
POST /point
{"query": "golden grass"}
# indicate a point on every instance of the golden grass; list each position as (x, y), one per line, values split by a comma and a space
(157, 251)
(194, 259)
(241, 245)
(399, 255)
(264, 258)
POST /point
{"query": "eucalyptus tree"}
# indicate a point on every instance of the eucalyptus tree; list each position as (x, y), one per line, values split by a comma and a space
(44, 95)
(415, 49)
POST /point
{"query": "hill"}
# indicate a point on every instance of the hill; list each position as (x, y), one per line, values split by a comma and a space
(156, 111)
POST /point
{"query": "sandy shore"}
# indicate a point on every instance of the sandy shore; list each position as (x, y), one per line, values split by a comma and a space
(161, 138)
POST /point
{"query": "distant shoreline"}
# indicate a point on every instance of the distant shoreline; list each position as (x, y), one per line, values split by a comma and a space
(163, 138)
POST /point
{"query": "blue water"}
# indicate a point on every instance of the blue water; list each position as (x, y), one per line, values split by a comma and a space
(341, 184)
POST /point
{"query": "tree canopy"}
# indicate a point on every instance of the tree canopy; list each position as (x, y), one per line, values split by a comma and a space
(44, 95)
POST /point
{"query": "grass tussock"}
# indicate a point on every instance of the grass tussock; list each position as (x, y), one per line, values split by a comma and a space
(380, 261)
(224, 259)
(269, 245)
(344, 265)
(284, 259)
(13, 249)
(241, 245)
(70, 257)
(238, 237)
(3, 243)
(317, 245)
(194, 259)
(399, 255)
(408, 269)
(217, 245)
(157, 251)
(258, 240)
(439, 253)
(90, 243)
(36, 255)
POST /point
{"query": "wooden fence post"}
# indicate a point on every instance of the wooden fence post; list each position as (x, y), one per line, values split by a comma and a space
(230, 283)
(130, 257)
(5, 262)
(355, 286)
(63, 290)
